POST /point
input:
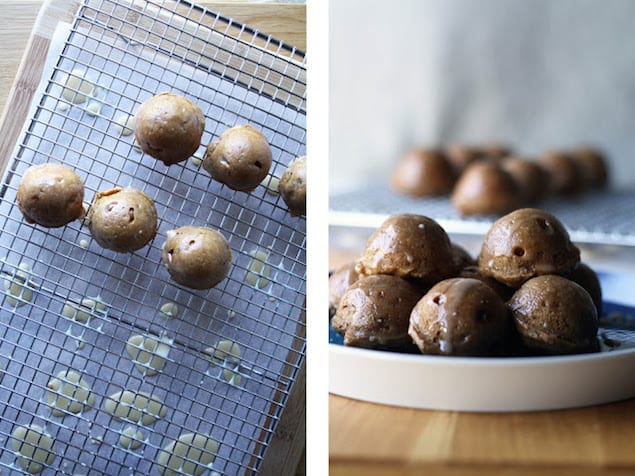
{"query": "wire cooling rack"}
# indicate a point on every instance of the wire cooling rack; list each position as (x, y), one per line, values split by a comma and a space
(129, 51)
(603, 218)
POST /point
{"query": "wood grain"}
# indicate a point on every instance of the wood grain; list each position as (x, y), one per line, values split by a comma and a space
(284, 22)
(598, 439)
(413, 469)
(16, 23)
(285, 451)
(29, 71)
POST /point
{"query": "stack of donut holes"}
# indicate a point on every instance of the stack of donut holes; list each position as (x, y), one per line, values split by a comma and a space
(413, 290)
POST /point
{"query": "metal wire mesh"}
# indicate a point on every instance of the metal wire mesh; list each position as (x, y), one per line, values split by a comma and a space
(601, 218)
(131, 51)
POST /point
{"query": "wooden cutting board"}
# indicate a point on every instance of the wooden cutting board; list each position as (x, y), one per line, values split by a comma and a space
(598, 440)
(26, 30)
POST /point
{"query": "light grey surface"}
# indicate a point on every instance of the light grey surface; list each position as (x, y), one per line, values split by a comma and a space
(537, 74)
(265, 322)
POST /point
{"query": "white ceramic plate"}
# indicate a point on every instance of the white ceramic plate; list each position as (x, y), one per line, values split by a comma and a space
(487, 384)
(480, 384)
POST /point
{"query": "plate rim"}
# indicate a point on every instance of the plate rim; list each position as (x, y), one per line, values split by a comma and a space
(452, 360)
(481, 384)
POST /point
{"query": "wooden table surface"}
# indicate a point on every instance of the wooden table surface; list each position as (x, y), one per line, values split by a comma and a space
(370, 439)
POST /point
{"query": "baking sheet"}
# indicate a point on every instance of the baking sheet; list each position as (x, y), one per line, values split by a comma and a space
(267, 323)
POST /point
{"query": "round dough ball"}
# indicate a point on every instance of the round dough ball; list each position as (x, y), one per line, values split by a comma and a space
(169, 127)
(122, 219)
(565, 175)
(240, 158)
(339, 282)
(460, 156)
(374, 311)
(593, 166)
(588, 279)
(529, 175)
(50, 195)
(292, 187)
(525, 243)
(409, 246)
(496, 150)
(460, 316)
(555, 315)
(461, 257)
(472, 271)
(423, 173)
(196, 256)
(485, 189)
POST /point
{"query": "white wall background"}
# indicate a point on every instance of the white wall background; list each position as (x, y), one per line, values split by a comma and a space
(534, 73)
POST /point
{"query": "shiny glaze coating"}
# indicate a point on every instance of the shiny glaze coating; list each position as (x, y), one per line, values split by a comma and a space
(460, 316)
(374, 313)
(554, 315)
(409, 245)
(525, 243)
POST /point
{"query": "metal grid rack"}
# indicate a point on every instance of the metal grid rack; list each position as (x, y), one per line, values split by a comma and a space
(132, 50)
(611, 213)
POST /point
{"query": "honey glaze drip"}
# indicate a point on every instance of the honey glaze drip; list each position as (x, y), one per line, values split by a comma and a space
(455, 323)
